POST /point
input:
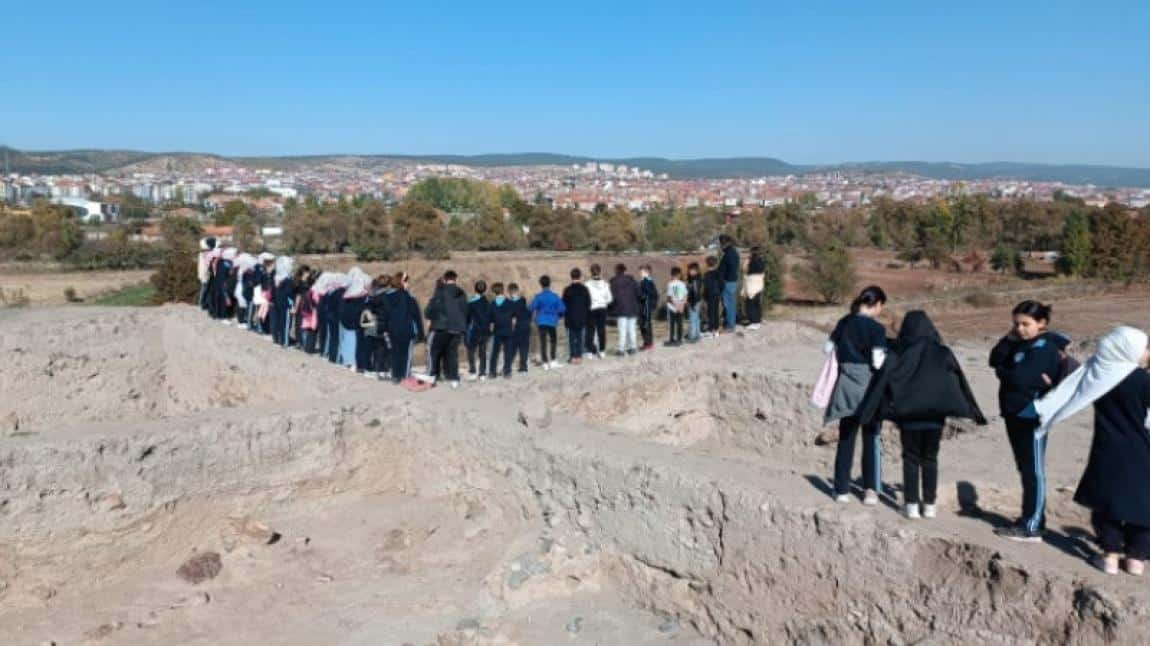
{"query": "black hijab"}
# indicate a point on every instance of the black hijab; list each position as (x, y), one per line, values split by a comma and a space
(921, 380)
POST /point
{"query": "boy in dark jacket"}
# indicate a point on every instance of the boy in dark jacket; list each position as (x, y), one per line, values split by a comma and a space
(502, 330)
(625, 301)
(447, 312)
(712, 294)
(577, 303)
(648, 301)
(694, 302)
(479, 321)
(522, 338)
(404, 326)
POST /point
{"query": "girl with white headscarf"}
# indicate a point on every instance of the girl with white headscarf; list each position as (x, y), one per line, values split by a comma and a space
(330, 294)
(351, 308)
(282, 295)
(1114, 483)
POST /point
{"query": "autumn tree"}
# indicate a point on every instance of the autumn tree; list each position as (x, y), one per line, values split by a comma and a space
(1075, 247)
(418, 226)
(614, 230)
(830, 273)
(370, 233)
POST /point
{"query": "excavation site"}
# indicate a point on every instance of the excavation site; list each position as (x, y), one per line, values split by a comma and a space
(165, 479)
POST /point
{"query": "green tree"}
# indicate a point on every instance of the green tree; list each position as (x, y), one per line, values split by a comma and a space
(226, 216)
(370, 235)
(1075, 249)
(493, 232)
(1006, 258)
(175, 280)
(418, 226)
(178, 230)
(614, 230)
(830, 273)
(245, 232)
(776, 275)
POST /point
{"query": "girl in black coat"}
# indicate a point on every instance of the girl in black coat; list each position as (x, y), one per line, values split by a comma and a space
(921, 384)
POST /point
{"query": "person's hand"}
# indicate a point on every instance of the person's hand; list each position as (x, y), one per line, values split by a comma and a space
(1046, 378)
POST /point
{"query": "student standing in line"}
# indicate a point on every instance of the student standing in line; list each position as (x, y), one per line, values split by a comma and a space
(350, 308)
(1028, 362)
(753, 288)
(729, 272)
(576, 312)
(694, 302)
(625, 299)
(503, 331)
(404, 326)
(447, 316)
(244, 289)
(713, 295)
(262, 294)
(307, 304)
(377, 315)
(859, 344)
(329, 315)
(1113, 486)
(547, 308)
(676, 306)
(648, 301)
(600, 290)
(522, 316)
(203, 262)
(479, 321)
(920, 385)
(282, 300)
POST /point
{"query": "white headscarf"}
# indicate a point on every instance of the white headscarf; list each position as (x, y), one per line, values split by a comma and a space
(284, 267)
(230, 253)
(328, 281)
(1117, 356)
(357, 283)
(244, 263)
(265, 256)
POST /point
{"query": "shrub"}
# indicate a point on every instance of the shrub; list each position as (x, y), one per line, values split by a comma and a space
(830, 274)
(71, 296)
(175, 280)
(981, 299)
(13, 298)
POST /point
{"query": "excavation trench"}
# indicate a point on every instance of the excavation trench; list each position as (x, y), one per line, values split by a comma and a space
(647, 509)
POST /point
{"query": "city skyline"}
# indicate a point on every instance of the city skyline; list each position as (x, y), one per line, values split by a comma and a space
(1061, 83)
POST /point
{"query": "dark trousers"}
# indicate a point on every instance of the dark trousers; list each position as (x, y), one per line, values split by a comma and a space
(547, 335)
(401, 350)
(1117, 537)
(1030, 459)
(676, 322)
(646, 329)
(331, 346)
(506, 346)
(920, 456)
(276, 320)
(596, 340)
(477, 348)
(365, 349)
(445, 355)
(575, 342)
(845, 455)
(713, 322)
(307, 341)
(522, 348)
(381, 362)
(754, 309)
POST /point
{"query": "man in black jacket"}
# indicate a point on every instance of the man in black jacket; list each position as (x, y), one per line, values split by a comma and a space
(625, 300)
(447, 312)
(729, 272)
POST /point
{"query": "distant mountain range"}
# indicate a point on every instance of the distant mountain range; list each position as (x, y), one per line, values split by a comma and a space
(110, 161)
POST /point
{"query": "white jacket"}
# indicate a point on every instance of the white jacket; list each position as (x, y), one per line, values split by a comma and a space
(600, 293)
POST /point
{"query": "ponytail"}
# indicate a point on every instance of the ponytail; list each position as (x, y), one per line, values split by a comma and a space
(1034, 309)
(871, 296)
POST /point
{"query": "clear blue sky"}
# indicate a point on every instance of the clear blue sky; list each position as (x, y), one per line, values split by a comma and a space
(808, 82)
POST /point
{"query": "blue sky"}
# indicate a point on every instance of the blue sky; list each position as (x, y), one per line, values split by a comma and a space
(1052, 82)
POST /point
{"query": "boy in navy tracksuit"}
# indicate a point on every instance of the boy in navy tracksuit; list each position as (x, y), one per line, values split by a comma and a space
(1028, 362)
(479, 321)
(522, 339)
(648, 301)
(502, 330)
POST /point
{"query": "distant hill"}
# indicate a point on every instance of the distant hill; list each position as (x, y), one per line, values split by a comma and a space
(126, 161)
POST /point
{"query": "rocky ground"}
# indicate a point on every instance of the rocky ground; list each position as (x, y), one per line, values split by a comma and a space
(168, 480)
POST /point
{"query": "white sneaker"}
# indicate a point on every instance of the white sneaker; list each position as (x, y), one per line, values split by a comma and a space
(601, 356)
(471, 376)
(912, 511)
(482, 377)
(454, 385)
(424, 377)
(555, 364)
(546, 366)
(929, 511)
(754, 326)
(870, 498)
(843, 498)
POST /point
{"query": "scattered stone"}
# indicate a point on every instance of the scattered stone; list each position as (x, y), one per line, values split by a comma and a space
(111, 502)
(575, 625)
(517, 579)
(829, 436)
(468, 624)
(102, 631)
(669, 626)
(200, 568)
(255, 530)
(325, 578)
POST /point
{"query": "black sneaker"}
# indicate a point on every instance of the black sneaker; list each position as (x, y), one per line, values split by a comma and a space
(1019, 533)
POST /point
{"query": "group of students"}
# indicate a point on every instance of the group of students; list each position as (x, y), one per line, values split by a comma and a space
(372, 325)
(916, 382)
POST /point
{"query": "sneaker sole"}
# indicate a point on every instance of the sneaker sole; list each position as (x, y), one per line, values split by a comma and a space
(1023, 539)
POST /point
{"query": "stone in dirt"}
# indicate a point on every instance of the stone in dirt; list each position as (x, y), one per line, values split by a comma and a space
(200, 568)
